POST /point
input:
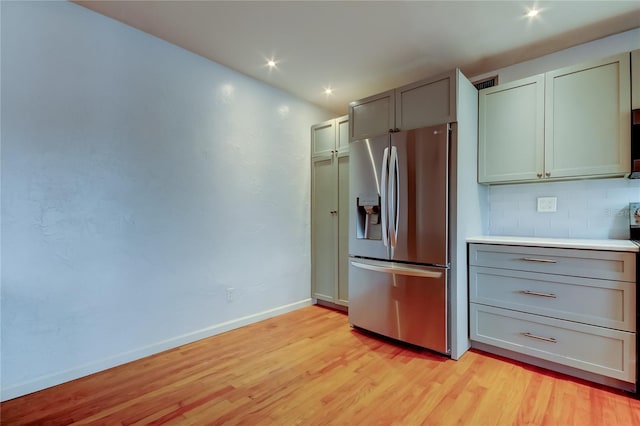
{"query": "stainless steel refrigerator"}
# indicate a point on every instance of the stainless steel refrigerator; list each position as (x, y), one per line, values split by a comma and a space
(398, 236)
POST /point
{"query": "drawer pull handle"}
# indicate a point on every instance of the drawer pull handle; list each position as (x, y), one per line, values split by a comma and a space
(546, 339)
(535, 259)
(535, 293)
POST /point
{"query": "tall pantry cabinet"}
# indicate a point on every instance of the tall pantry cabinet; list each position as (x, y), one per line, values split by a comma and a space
(329, 211)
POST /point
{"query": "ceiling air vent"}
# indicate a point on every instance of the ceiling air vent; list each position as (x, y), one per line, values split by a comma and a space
(487, 82)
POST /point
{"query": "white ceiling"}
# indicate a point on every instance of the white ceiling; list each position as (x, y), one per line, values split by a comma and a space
(360, 48)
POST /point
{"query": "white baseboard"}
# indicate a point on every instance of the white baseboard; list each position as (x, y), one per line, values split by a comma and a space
(54, 379)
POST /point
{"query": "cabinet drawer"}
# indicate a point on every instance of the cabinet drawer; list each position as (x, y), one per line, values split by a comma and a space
(598, 302)
(598, 350)
(606, 265)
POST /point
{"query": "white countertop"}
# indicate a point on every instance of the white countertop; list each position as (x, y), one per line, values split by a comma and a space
(576, 243)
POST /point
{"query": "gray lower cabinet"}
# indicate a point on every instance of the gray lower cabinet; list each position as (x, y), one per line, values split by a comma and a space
(571, 308)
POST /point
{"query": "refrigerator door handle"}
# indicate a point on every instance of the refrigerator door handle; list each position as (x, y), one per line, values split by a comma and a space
(394, 201)
(383, 196)
(396, 269)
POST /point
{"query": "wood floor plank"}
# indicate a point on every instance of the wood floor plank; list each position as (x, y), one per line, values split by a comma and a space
(309, 367)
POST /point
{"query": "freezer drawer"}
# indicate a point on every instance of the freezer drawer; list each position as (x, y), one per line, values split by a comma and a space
(404, 302)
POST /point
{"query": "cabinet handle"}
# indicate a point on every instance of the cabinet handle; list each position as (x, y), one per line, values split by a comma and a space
(546, 339)
(534, 259)
(539, 175)
(535, 293)
(547, 174)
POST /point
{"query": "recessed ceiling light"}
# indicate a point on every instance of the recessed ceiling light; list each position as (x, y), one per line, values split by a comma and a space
(328, 91)
(271, 63)
(532, 13)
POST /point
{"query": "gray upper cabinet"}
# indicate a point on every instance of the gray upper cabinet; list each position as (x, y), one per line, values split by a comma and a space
(342, 134)
(587, 130)
(323, 138)
(427, 102)
(575, 118)
(420, 104)
(511, 126)
(372, 116)
(330, 137)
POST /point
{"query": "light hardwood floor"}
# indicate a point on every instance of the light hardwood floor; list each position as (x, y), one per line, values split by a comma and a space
(308, 367)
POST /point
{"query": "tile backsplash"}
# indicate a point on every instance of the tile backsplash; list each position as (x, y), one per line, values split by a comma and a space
(585, 209)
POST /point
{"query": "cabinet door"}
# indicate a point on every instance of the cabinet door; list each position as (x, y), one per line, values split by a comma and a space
(587, 112)
(511, 131)
(323, 138)
(372, 116)
(342, 134)
(343, 229)
(635, 79)
(427, 102)
(323, 227)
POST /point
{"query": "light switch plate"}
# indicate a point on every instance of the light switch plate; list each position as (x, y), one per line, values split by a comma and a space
(547, 204)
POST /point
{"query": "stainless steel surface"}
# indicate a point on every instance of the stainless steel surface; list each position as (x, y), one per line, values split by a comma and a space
(408, 173)
(634, 214)
(404, 306)
(421, 205)
(384, 173)
(398, 278)
(634, 222)
(366, 188)
(397, 268)
(393, 200)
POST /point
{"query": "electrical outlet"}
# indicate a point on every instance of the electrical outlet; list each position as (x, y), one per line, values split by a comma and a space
(547, 204)
(230, 294)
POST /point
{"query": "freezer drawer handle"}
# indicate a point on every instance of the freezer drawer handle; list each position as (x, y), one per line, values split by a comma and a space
(398, 270)
(535, 293)
(535, 259)
(546, 339)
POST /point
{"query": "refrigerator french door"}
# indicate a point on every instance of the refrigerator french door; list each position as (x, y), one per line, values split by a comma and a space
(398, 236)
